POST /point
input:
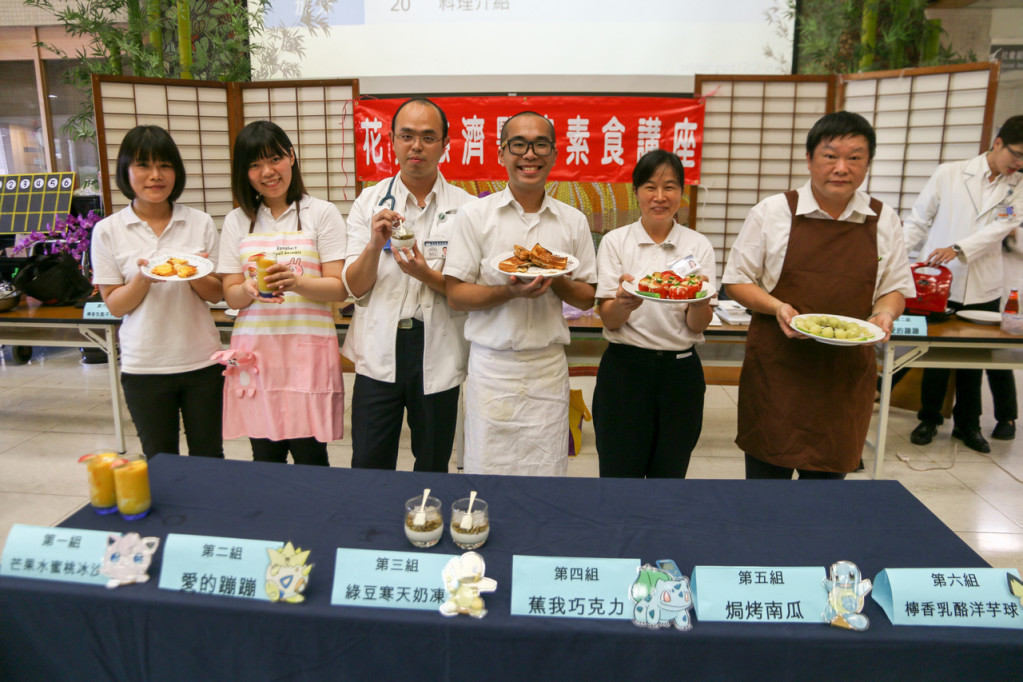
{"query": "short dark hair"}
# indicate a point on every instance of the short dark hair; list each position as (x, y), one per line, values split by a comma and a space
(526, 113)
(650, 162)
(149, 143)
(840, 124)
(423, 100)
(1011, 131)
(261, 140)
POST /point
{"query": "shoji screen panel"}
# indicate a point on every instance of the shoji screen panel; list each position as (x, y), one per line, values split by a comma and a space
(317, 115)
(923, 117)
(754, 145)
(195, 114)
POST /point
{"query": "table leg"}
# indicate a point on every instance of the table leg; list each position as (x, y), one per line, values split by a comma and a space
(460, 431)
(882, 411)
(110, 342)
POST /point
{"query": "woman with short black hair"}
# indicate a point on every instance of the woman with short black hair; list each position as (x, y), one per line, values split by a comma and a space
(167, 334)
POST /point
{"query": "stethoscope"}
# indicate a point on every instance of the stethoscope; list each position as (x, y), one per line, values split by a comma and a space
(388, 199)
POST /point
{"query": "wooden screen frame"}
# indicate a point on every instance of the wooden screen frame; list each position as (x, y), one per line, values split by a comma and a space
(233, 95)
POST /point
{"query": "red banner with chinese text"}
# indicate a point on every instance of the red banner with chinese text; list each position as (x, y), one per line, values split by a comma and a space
(599, 139)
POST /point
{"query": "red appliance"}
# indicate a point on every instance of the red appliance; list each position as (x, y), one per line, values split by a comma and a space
(932, 286)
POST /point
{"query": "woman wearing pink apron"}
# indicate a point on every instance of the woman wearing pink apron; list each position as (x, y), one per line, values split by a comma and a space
(283, 386)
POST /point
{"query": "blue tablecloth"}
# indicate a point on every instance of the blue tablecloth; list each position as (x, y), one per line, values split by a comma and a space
(60, 631)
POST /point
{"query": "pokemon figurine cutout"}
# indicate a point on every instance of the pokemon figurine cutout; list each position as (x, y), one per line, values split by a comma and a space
(288, 574)
(846, 592)
(127, 558)
(1015, 586)
(661, 598)
(464, 581)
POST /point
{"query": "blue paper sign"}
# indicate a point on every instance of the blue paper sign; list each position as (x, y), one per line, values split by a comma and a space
(572, 587)
(63, 554)
(910, 325)
(97, 310)
(389, 580)
(760, 594)
(225, 567)
(964, 597)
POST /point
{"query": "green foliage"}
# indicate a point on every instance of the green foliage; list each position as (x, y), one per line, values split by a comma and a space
(140, 38)
(279, 41)
(831, 40)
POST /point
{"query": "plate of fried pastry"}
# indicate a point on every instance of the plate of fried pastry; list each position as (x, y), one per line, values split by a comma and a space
(529, 263)
(177, 267)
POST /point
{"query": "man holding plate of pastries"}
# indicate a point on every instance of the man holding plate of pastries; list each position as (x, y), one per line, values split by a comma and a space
(516, 392)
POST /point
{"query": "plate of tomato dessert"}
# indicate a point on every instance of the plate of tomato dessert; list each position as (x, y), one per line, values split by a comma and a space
(669, 287)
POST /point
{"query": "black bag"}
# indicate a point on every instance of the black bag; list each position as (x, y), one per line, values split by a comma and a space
(54, 279)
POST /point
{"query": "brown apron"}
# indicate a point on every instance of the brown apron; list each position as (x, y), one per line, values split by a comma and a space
(803, 404)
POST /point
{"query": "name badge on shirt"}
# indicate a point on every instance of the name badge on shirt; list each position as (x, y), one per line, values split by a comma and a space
(684, 265)
(435, 248)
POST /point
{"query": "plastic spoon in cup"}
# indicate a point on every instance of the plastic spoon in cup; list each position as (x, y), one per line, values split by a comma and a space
(466, 523)
(420, 518)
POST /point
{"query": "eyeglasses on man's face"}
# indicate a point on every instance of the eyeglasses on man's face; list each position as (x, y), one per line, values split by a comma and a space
(518, 146)
(407, 138)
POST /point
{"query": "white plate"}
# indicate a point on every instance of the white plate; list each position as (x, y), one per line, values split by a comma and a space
(980, 316)
(202, 265)
(231, 312)
(876, 332)
(633, 289)
(533, 270)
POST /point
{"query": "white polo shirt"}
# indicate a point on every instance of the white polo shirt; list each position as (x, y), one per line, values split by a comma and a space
(370, 342)
(630, 250)
(492, 226)
(758, 253)
(320, 219)
(171, 330)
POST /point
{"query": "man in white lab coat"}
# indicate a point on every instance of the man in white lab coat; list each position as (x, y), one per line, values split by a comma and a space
(959, 220)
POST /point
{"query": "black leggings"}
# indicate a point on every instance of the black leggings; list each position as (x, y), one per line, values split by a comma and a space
(647, 411)
(303, 451)
(155, 402)
(759, 469)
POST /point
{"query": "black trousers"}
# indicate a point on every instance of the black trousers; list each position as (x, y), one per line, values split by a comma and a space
(156, 401)
(759, 469)
(303, 451)
(378, 408)
(967, 409)
(647, 411)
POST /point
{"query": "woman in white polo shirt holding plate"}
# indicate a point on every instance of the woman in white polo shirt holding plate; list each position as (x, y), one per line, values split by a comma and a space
(648, 400)
(167, 334)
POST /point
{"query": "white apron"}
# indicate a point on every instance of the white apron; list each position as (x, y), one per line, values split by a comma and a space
(516, 414)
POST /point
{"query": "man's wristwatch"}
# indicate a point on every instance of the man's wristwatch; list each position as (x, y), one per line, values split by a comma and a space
(957, 249)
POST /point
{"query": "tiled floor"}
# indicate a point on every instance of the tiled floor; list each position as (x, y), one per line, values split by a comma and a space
(55, 409)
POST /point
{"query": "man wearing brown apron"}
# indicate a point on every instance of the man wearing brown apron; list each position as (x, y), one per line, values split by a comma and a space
(825, 248)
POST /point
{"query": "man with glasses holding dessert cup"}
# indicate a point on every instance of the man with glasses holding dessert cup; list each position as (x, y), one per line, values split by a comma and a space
(406, 342)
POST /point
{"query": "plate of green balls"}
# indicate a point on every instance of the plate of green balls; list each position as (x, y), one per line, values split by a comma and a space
(837, 330)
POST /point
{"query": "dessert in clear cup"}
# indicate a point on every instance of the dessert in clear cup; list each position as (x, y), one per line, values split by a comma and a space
(100, 466)
(479, 527)
(402, 237)
(428, 532)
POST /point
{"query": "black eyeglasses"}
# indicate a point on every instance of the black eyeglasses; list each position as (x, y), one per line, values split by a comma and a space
(518, 147)
(427, 140)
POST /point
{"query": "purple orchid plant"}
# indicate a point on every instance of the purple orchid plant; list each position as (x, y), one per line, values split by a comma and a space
(72, 234)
